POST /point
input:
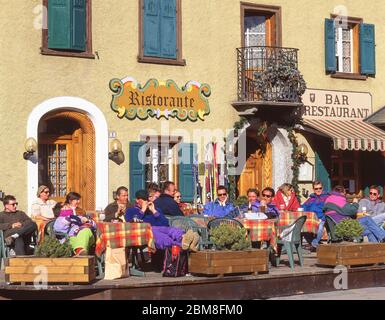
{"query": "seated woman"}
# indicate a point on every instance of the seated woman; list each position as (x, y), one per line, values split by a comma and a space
(79, 228)
(285, 198)
(164, 235)
(41, 208)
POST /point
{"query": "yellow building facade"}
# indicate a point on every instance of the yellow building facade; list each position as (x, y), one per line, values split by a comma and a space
(44, 88)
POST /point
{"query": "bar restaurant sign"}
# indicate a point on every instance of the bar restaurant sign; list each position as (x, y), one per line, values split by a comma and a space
(159, 99)
(339, 105)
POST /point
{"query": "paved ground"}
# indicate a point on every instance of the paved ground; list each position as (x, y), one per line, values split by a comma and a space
(377, 293)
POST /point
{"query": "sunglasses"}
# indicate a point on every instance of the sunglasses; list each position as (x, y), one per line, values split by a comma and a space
(318, 188)
(222, 194)
(266, 195)
(178, 197)
(373, 194)
(45, 191)
(13, 204)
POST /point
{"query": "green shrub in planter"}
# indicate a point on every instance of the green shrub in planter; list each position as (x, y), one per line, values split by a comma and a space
(349, 229)
(52, 248)
(228, 237)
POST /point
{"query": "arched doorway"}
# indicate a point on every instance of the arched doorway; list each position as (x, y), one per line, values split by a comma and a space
(66, 155)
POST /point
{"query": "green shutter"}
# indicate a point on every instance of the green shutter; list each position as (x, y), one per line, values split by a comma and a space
(78, 41)
(168, 29)
(137, 164)
(367, 49)
(187, 153)
(59, 24)
(67, 24)
(321, 173)
(330, 46)
(151, 28)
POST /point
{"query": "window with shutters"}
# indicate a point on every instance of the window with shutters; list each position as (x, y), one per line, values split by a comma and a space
(349, 48)
(160, 32)
(68, 31)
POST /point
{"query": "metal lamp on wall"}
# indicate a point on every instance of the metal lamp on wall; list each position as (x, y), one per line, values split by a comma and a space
(116, 154)
(302, 151)
(30, 146)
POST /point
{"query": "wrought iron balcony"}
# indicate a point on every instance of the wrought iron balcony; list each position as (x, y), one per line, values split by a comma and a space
(269, 74)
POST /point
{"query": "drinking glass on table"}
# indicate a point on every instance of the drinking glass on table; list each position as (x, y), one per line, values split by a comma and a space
(100, 214)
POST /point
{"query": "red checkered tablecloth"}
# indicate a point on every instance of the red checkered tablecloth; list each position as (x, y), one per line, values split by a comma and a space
(120, 235)
(261, 230)
(288, 217)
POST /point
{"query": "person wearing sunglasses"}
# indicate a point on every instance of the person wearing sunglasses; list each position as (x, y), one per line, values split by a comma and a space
(266, 204)
(221, 207)
(338, 208)
(41, 208)
(315, 203)
(373, 205)
(17, 226)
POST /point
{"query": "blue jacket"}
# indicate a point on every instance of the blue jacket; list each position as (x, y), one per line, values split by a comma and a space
(272, 211)
(157, 219)
(254, 207)
(168, 206)
(315, 204)
(214, 209)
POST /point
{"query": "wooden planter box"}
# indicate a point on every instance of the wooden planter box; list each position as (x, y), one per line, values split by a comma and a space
(210, 262)
(351, 254)
(69, 270)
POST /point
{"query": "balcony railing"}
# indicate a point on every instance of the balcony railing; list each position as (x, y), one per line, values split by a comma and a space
(268, 74)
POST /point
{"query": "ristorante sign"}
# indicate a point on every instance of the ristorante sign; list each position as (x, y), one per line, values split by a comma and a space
(159, 99)
(342, 105)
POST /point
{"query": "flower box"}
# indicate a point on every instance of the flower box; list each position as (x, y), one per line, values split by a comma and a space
(350, 254)
(221, 262)
(30, 269)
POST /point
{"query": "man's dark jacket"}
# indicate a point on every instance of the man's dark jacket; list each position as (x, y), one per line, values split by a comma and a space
(9, 218)
(168, 205)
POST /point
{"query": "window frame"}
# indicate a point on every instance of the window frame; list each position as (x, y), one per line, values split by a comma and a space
(179, 61)
(354, 22)
(44, 50)
(273, 16)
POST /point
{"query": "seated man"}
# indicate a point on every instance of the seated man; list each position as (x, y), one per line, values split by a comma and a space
(374, 205)
(266, 204)
(221, 207)
(337, 207)
(166, 202)
(315, 204)
(253, 204)
(116, 210)
(17, 226)
(164, 236)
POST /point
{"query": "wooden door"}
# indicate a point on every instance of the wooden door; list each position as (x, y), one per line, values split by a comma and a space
(251, 176)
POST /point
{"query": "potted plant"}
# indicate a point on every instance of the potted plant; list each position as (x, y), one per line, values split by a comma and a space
(232, 253)
(280, 80)
(351, 251)
(52, 262)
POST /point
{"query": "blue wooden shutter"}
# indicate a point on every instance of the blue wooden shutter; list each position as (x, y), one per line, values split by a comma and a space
(186, 181)
(168, 29)
(367, 49)
(151, 28)
(321, 173)
(78, 30)
(137, 163)
(59, 24)
(330, 46)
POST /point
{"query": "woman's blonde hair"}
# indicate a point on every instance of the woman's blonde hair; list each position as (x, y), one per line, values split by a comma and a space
(285, 188)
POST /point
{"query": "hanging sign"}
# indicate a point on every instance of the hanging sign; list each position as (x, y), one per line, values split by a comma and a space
(159, 99)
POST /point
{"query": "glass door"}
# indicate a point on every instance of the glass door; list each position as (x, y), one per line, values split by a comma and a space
(55, 167)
